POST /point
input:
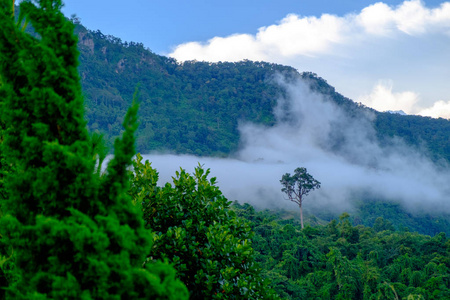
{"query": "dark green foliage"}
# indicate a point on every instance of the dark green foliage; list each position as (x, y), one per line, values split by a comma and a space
(431, 134)
(204, 101)
(196, 230)
(195, 107)
(342, 261)
(69, 232)
(369, 210)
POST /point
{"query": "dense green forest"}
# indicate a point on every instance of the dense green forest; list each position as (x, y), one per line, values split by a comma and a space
(70, 231)
(194, 107)
(338, 260)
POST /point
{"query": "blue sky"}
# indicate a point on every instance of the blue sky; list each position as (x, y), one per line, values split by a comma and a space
(387, 55)
(163, 24)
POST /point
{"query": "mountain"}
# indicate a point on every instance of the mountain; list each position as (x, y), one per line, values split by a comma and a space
(87, 221)
(198, 107)
(195, 107)
(399, 112)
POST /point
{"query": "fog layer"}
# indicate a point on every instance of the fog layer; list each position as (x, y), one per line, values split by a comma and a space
(340, 151)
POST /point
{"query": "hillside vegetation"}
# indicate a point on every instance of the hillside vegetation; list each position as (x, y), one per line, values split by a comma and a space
(195, 107)
(69, 230)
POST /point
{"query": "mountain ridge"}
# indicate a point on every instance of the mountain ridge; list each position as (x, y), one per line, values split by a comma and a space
(215, 96)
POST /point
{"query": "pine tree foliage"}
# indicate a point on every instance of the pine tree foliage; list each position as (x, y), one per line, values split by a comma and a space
(197, 231)
(74, 234)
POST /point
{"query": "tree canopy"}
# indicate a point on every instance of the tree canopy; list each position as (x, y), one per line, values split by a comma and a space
(69, 232)
(196, 230)
(337, 260)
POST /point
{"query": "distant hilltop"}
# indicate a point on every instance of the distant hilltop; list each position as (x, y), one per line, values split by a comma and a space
(196, 107)
(398, 112)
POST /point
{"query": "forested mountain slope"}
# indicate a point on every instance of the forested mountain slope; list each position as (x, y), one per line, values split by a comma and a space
(195, 107)
(69, 230)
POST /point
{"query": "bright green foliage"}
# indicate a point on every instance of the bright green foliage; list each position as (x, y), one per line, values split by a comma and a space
(342, 261)
(74, 234)
(196, 230)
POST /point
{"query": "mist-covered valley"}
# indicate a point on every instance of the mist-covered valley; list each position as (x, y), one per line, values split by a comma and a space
(70, 230)
(340, 150)
(251, 122)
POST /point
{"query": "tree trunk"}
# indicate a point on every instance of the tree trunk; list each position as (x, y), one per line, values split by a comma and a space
(301, 215)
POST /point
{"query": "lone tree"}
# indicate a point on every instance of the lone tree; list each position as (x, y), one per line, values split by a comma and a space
(297, 186)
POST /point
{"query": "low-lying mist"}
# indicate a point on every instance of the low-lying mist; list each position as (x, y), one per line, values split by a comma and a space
(339, 150)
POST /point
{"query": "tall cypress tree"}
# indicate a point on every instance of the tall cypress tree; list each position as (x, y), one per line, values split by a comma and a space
(74, 234)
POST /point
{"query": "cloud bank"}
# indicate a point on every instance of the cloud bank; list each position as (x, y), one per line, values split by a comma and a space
(340, 151)
(383, 98)
(407, 44)
(298, 35)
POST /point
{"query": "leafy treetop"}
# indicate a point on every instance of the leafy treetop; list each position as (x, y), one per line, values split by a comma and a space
(196, 230)
(297, 186)
(71, 233)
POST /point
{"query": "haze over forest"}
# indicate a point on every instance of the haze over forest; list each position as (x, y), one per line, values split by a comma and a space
(303, 135)
(76, 226)
(251, 122)
(266, 120)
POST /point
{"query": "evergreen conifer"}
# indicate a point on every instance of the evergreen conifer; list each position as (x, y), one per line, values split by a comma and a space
(74, 234)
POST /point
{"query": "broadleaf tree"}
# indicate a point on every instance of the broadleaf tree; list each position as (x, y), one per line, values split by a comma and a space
(298, 186)
(196, 230)
(73, 234)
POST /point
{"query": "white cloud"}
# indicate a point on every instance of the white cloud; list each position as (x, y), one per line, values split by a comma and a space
(411, 17)
(377, 19)
(439, 109)
(383, 98)
(233, 48)
(302, 35)
(408, 43)
(293, 36)
(308, 35)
